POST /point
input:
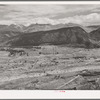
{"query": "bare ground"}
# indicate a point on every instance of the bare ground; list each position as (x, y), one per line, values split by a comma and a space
(51, 68)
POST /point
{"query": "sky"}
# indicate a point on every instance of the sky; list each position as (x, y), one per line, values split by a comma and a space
(49, 14)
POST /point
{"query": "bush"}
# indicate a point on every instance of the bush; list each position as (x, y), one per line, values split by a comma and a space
(39, 52)
(87, 44)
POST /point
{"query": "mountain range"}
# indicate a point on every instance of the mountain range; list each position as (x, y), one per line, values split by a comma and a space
(38, 34)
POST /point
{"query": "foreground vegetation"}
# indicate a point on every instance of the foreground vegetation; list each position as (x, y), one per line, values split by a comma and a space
(50, 67)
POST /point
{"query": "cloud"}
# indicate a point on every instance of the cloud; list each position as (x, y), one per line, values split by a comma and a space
(43, 20)
(49, 14)
(6, 22)
(93, 18)
(33, 10)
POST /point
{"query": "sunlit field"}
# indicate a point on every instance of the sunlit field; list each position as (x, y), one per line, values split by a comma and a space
(50, 68)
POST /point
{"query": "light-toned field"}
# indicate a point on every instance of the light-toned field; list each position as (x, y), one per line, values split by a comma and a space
(51, 68)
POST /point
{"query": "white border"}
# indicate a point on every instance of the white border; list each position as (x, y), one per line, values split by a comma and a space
(50, 94)
(50, 2)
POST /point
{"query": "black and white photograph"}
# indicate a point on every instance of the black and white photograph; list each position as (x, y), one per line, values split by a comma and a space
(49, 46)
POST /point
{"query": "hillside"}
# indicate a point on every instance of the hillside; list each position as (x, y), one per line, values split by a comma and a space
(12, 27)
(46, 27)
(91, 28)
(38, 34)
(9, 31)
(70, 35)
(95, 35)
(6, 35)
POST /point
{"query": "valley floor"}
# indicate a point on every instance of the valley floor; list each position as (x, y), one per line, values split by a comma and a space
(51, 68)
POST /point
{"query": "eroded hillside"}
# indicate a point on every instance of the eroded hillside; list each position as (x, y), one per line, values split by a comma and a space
(70, 35)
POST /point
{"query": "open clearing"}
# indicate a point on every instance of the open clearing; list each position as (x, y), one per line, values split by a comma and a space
(50, 68)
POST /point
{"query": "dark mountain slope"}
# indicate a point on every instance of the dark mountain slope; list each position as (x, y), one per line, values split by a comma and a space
(12, 27)
(6, 35)
(8, 31)
(70, 35)
(47, 27)
(91, 28)
(95, 35)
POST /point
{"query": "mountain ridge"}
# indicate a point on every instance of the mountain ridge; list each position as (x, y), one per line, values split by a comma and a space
(70, 35)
